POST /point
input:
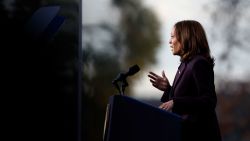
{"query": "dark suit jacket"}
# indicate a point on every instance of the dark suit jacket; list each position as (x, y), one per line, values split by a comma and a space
(194, 96)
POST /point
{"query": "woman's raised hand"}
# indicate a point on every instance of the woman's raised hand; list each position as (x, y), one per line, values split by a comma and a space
(159, 82)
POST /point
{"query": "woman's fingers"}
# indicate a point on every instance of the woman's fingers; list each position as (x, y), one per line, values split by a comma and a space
(152, 81)
(163, 74)
(164, 106)
(157, 81)
(167, 105)
(153, 75)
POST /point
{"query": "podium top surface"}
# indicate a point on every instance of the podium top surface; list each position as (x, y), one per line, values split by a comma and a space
(134, 102)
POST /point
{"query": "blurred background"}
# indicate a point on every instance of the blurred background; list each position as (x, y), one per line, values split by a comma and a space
(59, 89)
(120, 33)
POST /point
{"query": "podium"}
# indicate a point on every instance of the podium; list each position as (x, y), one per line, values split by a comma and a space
(128, 119)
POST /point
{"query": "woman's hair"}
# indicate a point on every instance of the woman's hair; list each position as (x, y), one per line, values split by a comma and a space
(193, 39)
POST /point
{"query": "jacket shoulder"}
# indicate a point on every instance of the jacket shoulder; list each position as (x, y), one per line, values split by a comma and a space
(198, 60)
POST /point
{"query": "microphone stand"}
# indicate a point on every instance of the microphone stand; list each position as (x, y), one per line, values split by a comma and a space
(121, 86)
(124, 85)
(117, 87)
(122, 79)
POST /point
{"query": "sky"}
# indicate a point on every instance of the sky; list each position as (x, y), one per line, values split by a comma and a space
(168, 12)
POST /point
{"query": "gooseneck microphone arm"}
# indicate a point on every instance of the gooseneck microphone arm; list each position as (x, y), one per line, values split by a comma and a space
(120, 83)
(117, 86)
(124, 85)
(122, 79)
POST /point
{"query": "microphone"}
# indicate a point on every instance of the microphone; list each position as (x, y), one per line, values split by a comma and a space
(122, 76)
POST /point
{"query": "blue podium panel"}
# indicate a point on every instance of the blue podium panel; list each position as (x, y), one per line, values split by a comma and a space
(131, 120)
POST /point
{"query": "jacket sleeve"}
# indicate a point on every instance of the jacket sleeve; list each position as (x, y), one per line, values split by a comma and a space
(167, 95)
(203, 75)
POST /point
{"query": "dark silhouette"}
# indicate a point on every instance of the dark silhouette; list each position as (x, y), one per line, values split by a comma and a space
(192, 94)
(40, 75)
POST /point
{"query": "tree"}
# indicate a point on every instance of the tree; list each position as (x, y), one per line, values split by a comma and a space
(110, 49)
(230, 21)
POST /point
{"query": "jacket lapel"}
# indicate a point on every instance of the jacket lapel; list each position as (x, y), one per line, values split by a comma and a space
(179, 73)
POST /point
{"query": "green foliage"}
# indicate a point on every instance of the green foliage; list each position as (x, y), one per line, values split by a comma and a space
(141, 31)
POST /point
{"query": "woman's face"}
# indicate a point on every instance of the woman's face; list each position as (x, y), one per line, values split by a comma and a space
(175, 45)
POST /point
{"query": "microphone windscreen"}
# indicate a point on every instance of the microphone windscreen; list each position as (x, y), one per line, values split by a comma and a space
(134, 69)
